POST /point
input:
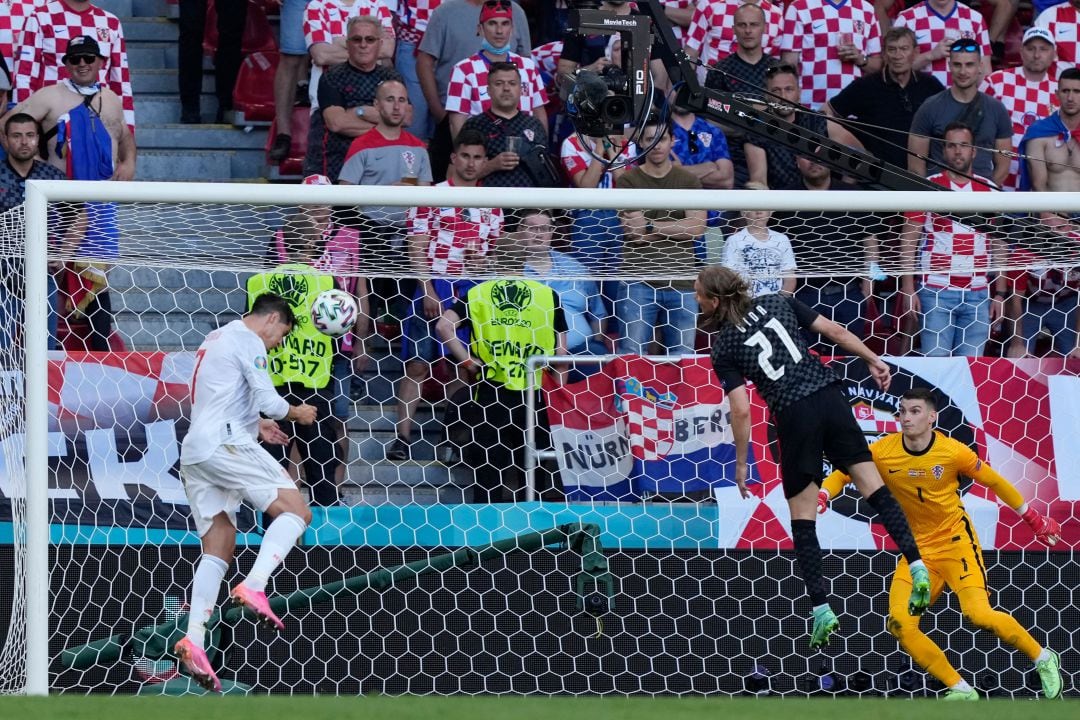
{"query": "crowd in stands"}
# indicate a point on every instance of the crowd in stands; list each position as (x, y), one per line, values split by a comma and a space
(472, 93)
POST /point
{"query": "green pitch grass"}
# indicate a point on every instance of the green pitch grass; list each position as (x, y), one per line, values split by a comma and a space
(522, 708)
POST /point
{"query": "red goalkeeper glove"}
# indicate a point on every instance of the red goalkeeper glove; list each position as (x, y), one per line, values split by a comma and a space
(822, 502)
(1046, 529)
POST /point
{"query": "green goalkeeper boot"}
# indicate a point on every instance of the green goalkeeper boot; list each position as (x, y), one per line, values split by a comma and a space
(952, 695)
(1050, 675)
(920, 590)
(825, 624)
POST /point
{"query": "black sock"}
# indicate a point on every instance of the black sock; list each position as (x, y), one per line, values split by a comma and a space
(892, 517)
(808, 555)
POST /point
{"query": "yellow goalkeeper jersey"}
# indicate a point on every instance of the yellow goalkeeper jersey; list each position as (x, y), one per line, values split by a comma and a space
(927, 484)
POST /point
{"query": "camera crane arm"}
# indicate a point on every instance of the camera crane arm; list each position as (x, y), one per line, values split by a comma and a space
(640, 33)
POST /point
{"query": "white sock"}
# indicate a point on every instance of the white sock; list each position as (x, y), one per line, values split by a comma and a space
(961, 686)
(204, 593)
(276, 544)
(1043, 656)
(917, 563)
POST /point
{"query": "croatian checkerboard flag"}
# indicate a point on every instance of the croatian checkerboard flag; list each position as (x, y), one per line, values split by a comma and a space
(639, 427)
(677, 423)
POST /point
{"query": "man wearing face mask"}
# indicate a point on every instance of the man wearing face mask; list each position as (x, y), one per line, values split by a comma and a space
(451, 36)
(467, 93)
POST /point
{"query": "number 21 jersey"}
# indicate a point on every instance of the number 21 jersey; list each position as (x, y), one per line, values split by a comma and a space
(768, 349)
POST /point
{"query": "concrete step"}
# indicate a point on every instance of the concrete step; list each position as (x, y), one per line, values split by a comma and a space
(178, 304)
(373, 419)
(168, 333)
(165, 109)
(201, 137)
(370, 448)
(151, 8)
(123, 9)
(150, 29)
(388, 474)
(201, 165)
(189, 284)
(163, 81)
(183, 234)
(403, 495)
(198, 165)
(153, 55)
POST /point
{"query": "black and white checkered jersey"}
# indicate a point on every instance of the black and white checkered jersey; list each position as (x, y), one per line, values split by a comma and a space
(768, 349)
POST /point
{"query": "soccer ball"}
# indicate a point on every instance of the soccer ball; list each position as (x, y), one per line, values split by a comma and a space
(334, 312)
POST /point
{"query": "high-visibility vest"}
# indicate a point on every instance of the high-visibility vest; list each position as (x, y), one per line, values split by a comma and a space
(512, 320)
(306, 356)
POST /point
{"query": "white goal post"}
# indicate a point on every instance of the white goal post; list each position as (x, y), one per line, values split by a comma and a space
(33, 531)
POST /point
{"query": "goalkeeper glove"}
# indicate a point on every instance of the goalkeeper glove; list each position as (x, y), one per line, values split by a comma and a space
(822, 501)
(1046, 529)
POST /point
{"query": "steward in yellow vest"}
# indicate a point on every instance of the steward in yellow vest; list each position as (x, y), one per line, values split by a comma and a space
(511, 321)
(305, 356)
(301, 370)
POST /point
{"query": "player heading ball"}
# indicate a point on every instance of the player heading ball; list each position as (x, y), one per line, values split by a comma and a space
(760, 339)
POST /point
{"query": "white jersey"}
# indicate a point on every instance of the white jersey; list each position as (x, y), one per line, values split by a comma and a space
(229, 388)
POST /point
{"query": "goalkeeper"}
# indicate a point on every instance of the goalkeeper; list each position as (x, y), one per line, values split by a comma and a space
(921, 467)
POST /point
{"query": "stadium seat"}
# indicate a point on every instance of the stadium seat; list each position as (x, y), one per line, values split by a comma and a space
(258, 35)
(253, 95)
(293, 165)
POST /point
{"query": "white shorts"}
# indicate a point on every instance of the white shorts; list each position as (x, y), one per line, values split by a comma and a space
(234, 473)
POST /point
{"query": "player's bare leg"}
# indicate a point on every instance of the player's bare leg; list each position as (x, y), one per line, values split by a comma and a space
(870, 485)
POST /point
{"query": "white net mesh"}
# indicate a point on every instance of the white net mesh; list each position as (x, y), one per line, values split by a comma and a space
(405, 465)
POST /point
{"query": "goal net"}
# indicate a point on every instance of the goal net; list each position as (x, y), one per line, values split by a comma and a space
(586, 538)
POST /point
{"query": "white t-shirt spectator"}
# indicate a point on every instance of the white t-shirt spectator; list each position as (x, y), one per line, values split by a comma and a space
(763, 263)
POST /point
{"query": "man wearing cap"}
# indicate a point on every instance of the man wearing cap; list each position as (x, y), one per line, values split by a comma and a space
(962, 102)
(1063, 21)
(87, 139)
(47, 31)
(452, 36)
(1028, 92)
(50, 105)
(467, 93)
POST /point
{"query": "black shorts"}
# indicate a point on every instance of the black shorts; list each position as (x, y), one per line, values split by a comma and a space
(820, 424)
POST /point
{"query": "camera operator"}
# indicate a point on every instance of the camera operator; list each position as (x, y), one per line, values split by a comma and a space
(589, 52)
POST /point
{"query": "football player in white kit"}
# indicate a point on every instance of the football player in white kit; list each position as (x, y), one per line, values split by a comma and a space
(222, 464)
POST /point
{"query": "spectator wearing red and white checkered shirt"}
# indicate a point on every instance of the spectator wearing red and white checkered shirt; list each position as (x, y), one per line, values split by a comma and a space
(679, 14)
(954, 297)
(546, 57)
(45, 36)
(711, 36)
(324, 31)
(1063, 21)
(410, 23)
(13, 14)
(1028, 92)
(937, 24)
(467, 92)
(445, 244)
(831, 45)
